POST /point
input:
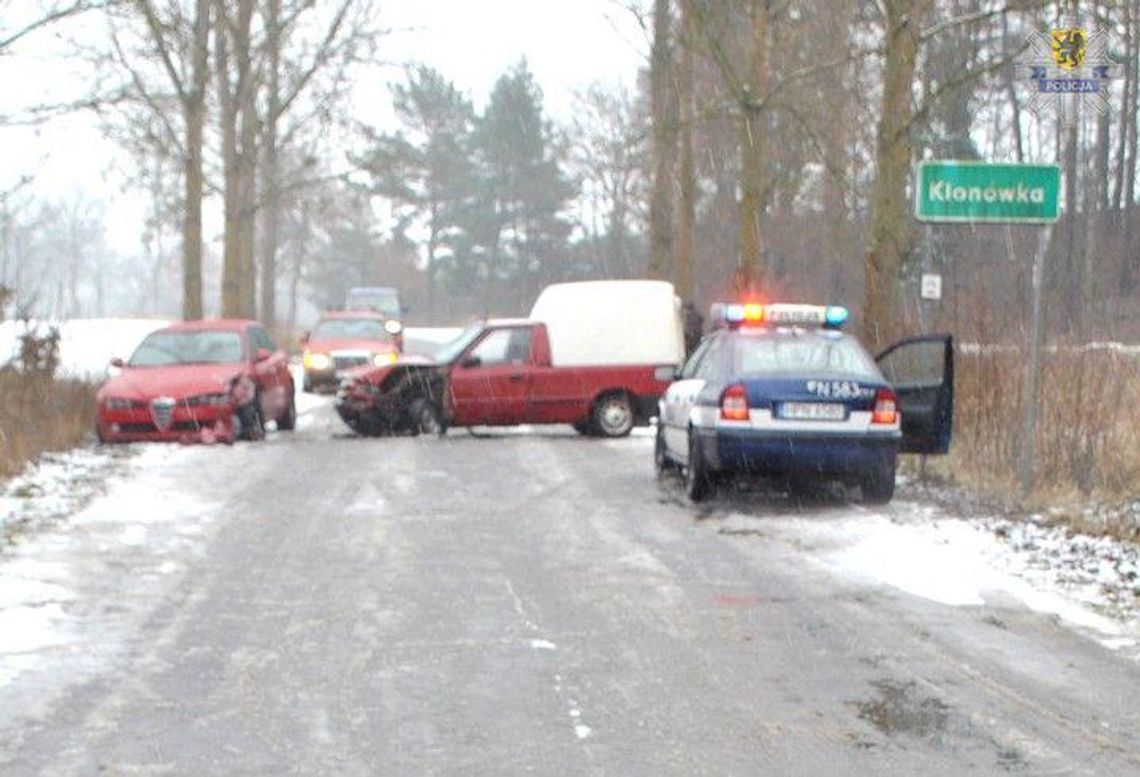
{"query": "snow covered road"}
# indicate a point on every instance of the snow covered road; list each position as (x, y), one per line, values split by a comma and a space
(532, 602)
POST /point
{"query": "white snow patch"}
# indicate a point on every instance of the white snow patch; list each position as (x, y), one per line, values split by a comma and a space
(133, 535)
(582, 730)
(945, 567)
(64, 559)
(951, 561)
(29, 628)
(86, 345)
(432, 334)
(543, 644)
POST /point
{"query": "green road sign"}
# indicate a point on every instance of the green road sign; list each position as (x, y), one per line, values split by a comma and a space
(987, 192)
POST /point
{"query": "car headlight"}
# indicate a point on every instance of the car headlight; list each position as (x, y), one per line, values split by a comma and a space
(393, 327)
(317, 361)
(384, 359)
(214, 400)
(119, 403)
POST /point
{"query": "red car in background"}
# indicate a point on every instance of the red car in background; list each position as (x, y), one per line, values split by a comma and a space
(198, 380)
(344, 340)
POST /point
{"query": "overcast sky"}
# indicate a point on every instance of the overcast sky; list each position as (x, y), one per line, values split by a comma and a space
(567, 43)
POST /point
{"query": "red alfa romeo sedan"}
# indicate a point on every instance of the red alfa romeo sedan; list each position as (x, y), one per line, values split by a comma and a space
(198, 381)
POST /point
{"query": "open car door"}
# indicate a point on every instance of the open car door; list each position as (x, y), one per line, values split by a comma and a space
(921, 370)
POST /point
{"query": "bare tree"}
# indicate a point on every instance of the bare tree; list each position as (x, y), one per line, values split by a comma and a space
(664, 107)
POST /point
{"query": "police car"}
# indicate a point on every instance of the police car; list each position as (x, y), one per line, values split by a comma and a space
(781, 390)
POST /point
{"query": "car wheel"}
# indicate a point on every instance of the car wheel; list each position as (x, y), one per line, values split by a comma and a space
(661, 461)
(698, 480)
(288, 421)
(878, 487)
(423, 418)
(252, 425)
(613, 415)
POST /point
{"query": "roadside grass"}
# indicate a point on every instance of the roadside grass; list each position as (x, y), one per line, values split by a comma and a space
(1088, 434)
(38, 414)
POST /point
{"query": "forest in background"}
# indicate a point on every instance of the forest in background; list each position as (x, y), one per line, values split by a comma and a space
(766, 144)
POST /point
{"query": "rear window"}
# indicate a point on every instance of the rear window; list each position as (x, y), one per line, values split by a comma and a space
(814, 353)
(350, 329)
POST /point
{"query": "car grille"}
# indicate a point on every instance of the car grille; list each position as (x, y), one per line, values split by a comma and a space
(145, 428)
(348, 362)
(162, 412)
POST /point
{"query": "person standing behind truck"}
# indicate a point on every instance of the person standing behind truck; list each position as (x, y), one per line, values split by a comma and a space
(694, 324)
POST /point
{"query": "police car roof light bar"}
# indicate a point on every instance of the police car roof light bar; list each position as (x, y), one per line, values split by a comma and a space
(734, 314)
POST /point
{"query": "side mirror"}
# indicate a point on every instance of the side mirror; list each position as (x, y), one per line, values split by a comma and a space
(117, 363)
(262, 354)
(471, 361)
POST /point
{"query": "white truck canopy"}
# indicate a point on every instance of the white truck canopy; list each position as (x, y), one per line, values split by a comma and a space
(604, 323)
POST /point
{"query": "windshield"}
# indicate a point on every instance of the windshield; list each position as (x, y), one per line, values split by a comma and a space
(830, 354)
(385, 301)
(350, 329)
(209, 347)
(450, 351)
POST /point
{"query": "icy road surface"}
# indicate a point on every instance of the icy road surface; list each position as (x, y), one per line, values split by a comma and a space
(532, 602)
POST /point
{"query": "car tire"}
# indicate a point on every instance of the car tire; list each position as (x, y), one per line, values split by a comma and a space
(252, 425)
(698, 479)
(613, 415)
(288, 420)
(878, 487)
(661, 461)
(423, 418)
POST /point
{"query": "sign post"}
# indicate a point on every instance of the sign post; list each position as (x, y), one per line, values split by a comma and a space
(999, 193)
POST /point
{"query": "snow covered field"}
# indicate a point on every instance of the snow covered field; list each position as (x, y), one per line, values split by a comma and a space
(86, 345)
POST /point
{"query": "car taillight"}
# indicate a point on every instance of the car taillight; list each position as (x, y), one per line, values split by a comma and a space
(734, 404)
(886, 407)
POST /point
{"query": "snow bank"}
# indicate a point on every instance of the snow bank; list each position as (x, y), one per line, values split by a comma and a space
(87, 345)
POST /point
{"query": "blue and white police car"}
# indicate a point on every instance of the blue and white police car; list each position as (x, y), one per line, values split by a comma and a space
(781, 390)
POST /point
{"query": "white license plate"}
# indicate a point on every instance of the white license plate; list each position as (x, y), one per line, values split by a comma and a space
(813, 411)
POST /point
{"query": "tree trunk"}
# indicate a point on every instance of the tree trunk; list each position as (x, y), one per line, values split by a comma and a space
(687, 207)
(890, 216)
(247, 159)
(238, 128)
(194, 109)
(664, 106)
(751, 267)
(1132, 251)
(271, 173)
(231, 278)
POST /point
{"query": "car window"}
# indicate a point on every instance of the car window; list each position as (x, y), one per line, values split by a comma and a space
(915, 364)
(504, 346)
(694, 362)
(451, 350)
(790, 353)
(350, 329)
(207, 347)
(713, 365)
(260, 338)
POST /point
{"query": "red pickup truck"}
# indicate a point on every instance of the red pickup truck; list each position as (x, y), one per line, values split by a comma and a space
(498, 373)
